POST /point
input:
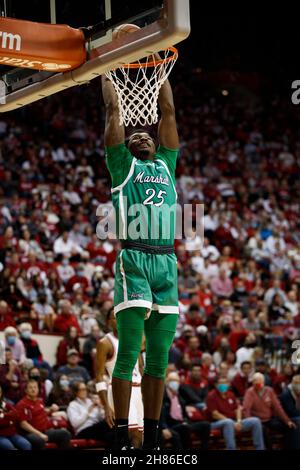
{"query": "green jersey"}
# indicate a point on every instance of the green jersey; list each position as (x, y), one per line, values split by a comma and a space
(143, 195)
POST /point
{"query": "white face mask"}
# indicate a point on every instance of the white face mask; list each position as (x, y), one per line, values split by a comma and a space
(173, 385)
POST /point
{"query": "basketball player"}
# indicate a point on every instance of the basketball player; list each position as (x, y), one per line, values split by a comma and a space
(146, 294)
(107, 350)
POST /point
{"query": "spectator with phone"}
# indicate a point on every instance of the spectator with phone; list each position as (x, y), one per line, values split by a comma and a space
(86, 415)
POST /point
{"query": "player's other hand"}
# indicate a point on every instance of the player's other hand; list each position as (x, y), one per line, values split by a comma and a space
(110, 417)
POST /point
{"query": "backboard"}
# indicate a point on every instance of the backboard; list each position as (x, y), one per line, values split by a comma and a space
(163, 23)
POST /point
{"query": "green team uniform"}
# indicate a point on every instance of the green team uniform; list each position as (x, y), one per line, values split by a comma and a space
(144, 198)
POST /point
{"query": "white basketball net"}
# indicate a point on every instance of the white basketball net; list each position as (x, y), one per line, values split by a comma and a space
(137, 86)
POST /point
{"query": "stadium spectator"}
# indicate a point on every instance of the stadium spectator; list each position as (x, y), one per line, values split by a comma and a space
(78, 278)
(9, 437)
(281, 380)
(174, 422)
(262, 366)
(87, 320)
(6, 317)
(44, 383)
(72, 370)
(193, 316)
(245, 353)
(86, 415)
(44, 313)
(194, 389)
(226, 414)
(89, 348)
(65, 318)
(63, 245)
(69, 341)
(11, 378)
(290, 399)
(261, 401)
(243, 379)
(32, 348)
(35, 422)
(209, 370)
(15, 344)
(192, 352)
(61, 393)
(232, 368)
(222, 285)
(65, 270)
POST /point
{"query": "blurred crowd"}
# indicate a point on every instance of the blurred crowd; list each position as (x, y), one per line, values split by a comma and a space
(238, 290)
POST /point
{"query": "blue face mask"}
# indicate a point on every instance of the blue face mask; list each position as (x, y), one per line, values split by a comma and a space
(11, 340)
(223, 388)
(173, 385)
(64, 383)
(26, 334)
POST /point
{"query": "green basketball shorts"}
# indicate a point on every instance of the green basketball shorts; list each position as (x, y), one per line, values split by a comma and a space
(146, 280)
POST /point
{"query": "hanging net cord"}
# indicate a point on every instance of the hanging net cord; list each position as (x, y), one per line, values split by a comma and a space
(137, 87)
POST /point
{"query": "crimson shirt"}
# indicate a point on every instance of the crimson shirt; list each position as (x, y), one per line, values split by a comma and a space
(33, 411)
(227, 406)
(65, 321)
(8, 420)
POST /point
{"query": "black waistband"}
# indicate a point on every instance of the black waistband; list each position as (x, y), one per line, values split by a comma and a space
(152, 249)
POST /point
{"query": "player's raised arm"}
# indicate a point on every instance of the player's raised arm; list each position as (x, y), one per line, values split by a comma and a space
(114, 133)
(167, 128)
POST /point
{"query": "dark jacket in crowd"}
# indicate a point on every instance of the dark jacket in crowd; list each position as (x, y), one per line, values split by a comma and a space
(289, 404)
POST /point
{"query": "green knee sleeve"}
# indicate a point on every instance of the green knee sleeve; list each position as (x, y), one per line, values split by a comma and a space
(159, 331)
(130, 326)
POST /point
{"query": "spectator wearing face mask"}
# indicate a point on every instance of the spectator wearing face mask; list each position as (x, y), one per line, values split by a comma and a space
(43, 313)
(35, 421)
(262, 402)
(45, 384)
(226, 414)
(15, 344)
(72, 370)
(174, 421)
(9, 438)
(78, 278)
(31, 347)
(87, 320)
(61, 394)
(65, 270)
